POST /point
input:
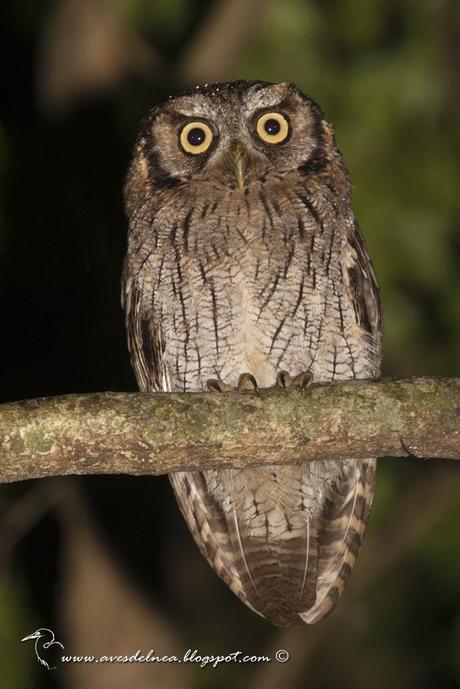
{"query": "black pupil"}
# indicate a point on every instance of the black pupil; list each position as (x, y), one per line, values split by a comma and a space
(272, 127)
(196, 136)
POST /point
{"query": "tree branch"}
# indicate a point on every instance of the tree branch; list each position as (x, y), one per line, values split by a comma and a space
(156, 433)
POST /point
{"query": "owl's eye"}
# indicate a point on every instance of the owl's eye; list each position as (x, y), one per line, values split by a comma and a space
(195, 137)
(273, 127)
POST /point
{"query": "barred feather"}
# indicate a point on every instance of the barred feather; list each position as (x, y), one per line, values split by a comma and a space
(219, 281)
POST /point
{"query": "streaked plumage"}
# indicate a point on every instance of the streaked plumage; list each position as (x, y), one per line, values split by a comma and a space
(246, 257)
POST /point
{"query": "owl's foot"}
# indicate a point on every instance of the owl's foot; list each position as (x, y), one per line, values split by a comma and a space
(246, 382)
(302, 381)
(215, 385)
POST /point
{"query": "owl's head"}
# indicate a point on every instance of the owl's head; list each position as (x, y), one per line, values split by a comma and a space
(232, 134)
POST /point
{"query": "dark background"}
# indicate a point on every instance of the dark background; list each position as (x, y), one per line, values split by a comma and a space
(107, 561)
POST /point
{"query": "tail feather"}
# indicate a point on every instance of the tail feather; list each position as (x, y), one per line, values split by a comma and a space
(208, 526)
(275, 579)
(288, 563)
(341, 535)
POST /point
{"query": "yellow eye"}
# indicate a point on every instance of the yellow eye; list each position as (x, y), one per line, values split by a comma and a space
(195, 137)
(273, 127)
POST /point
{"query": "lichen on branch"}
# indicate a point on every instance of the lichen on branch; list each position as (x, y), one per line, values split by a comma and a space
(156, 433)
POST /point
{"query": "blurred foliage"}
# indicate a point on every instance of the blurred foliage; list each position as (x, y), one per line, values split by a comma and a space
(16, 672)
(386, 74)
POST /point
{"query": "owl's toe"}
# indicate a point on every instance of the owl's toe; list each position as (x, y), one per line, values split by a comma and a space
(301, 381)
(283, 380)
(215, 385)
(248, 382)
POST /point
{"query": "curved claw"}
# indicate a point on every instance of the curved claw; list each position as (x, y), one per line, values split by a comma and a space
(248, 382)
(284, 380)
(301, 381)
(215, 385)
(304, 380)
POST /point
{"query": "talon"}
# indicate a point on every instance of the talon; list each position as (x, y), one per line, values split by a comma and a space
(215, 385)
(283, 380)
(301, 381)
(247, 382)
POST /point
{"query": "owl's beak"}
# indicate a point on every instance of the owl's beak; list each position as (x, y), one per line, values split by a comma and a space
(240, 164)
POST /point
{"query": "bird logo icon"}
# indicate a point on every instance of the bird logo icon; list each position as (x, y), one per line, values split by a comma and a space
(46, 647)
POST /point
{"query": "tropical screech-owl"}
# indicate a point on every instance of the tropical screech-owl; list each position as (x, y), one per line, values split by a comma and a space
(245, 265)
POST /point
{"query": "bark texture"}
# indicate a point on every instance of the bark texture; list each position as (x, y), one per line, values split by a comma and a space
(157, 433)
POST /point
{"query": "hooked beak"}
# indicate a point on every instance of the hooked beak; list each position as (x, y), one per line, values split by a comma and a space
(35, 635)
(240, 164)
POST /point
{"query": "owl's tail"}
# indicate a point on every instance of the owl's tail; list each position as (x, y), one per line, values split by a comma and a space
(343, 524)
(285, 572)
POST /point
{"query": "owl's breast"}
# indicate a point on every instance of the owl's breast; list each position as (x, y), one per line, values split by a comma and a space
(250, 331)
(249, 307)
(259, 290)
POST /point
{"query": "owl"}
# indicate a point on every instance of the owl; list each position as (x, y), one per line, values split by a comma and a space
(245, 267)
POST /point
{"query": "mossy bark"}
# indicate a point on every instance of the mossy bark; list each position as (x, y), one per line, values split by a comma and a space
(156, 433)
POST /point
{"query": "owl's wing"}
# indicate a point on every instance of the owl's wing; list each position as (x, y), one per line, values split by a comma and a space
(342, 525)
(204, 518)
(346, 511)
(145, 341)
(209, 527)
(361, 282)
